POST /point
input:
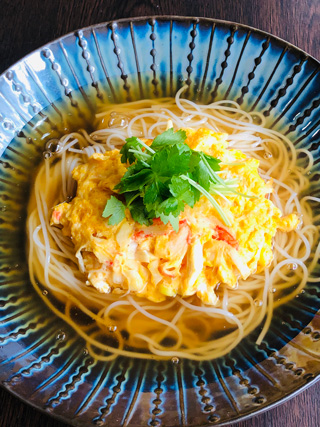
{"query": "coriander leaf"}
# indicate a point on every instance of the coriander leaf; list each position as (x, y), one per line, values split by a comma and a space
(178, 186)
(209, 197)
(203, 169)
(201, 175)
(130, 196)
(196, 195)
(182, 190)
(170, 218)
(141, 156)
(134, 182)
(165, 176)
(213, 162)
(211, 165)
(159, 160)
(171, 161)
(131, 143)
(169, 137)
(151, 194)
(139, 212)
(194, 160)
(171, 205)
(132, 150)
(155, 192)
(189, 198)
(133, 169)
(114, 209)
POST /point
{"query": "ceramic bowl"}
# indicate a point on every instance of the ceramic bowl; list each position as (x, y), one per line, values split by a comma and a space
(42, 360)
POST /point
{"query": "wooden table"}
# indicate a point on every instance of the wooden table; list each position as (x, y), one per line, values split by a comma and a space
(28, 24)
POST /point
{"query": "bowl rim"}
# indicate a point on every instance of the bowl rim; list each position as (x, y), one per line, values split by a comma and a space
(225, 423)
(195, 19)
(179, 18)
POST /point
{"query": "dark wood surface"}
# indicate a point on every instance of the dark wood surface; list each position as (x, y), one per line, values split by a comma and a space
(28, 24)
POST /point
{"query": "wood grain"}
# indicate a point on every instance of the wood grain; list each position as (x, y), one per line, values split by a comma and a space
(28, 24)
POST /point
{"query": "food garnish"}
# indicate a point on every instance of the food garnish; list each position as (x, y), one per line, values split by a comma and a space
(163, 178)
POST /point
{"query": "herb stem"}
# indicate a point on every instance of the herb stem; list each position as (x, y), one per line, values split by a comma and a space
(217, 193)
(146, 146)
(133, 198)
(141, 153)
(209, 197)
(215, 176)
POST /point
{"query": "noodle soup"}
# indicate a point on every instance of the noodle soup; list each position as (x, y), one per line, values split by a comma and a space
(123, 324)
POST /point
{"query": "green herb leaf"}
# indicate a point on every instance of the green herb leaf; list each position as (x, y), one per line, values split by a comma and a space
(151, 194)
(174, 221)
(201, 174)
(182, 190)
(213, 162)
(172, 160)
(115, 210)
(135, 181)
(132, 170)
(131, 143)
(139, 213)
(164, 177)
(132, 150)
(209, 197)
(155, 192)
(171, 205)
(130, 196)
(169, 137)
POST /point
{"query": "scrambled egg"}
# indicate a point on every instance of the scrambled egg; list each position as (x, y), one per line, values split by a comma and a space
(155, 261)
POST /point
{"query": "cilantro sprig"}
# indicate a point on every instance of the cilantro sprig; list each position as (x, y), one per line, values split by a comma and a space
(163, 178)
(114, 209)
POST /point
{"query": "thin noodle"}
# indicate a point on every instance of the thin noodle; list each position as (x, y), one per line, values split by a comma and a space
(177, 327)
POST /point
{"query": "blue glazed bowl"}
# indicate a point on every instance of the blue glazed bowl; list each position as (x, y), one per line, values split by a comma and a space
(56, 89)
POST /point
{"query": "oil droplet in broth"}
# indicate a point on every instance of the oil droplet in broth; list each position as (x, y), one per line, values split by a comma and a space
(61, 336)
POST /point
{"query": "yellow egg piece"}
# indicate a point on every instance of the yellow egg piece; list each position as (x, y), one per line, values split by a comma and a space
(156, 262)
